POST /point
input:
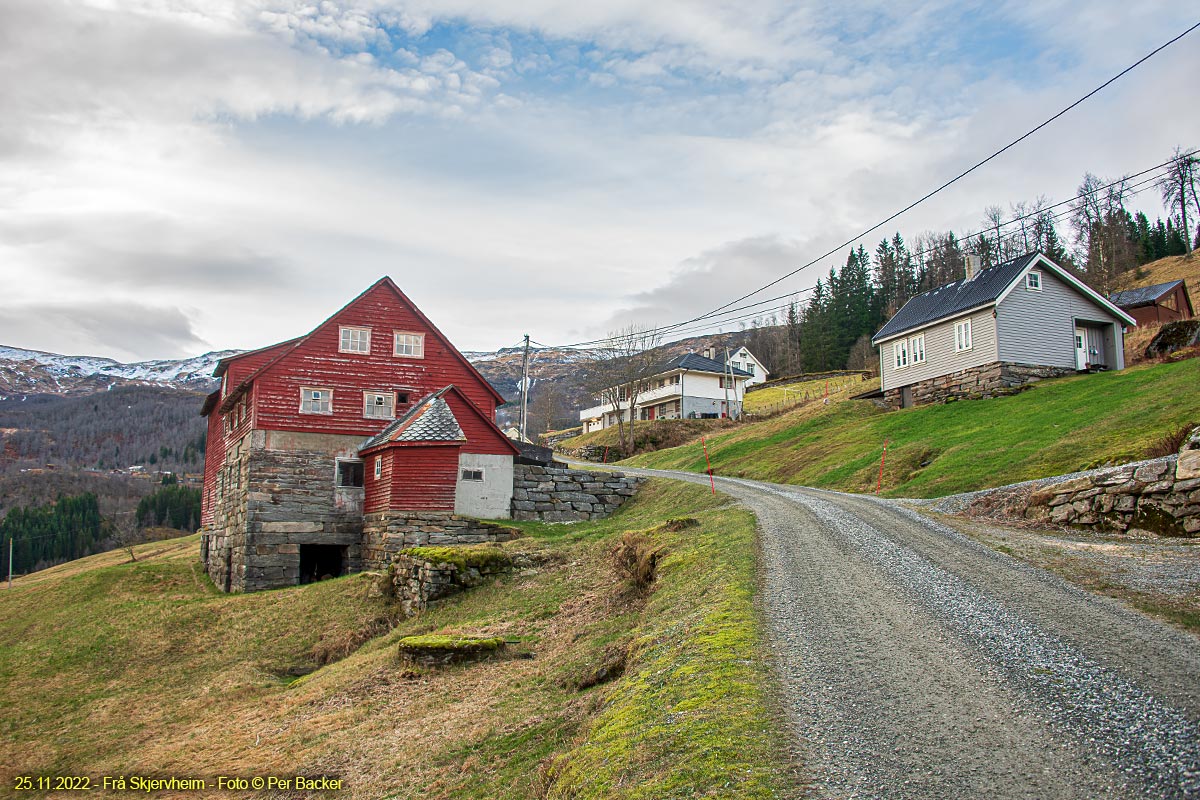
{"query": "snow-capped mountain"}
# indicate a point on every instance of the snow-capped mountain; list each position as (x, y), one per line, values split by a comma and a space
(37, 372)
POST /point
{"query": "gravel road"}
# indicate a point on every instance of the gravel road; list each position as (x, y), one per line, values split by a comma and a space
(916, 662)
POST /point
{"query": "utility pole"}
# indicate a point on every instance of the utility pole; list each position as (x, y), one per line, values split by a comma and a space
(525, 389)
(727, 372)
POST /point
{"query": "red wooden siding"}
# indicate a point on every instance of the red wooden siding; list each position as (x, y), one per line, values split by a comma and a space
(214, 459)
(316, 363)
(377, 495)
(420, 477)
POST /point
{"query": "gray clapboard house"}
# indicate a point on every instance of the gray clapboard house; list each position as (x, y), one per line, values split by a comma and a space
(999, 327)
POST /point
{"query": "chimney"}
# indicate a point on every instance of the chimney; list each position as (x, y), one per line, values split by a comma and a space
(972, 264)
(709, 353)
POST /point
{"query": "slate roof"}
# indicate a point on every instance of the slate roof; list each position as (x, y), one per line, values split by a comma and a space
(429, 420)
(1145, 296)
(954, 298)
(694, 362)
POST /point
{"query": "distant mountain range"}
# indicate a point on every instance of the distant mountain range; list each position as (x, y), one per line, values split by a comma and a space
(26, 372)
(562, 372)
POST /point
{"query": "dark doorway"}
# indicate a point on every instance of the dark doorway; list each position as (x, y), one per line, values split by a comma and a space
(320, 561)
(906, 397)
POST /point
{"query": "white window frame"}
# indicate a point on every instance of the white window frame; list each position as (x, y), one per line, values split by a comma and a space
(349, 342)
(916, 349)
(306, 399)
(370, 402)
(750, 367)
(412, 348)
(1033, 281)
(962, 336)
(468, 474)
(900, 353)
(378, 467)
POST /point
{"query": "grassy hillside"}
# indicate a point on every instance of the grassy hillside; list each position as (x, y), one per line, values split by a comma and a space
(1172, 268)
(109, 667)
(1056, 427)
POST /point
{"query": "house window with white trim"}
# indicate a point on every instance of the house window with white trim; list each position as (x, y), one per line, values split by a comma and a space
(750, 367)
(378, 467)
(900, 351)
(316, 401)
(409, 345)
(379, 405)
(354, 340)
(1033, 281)
(962, 336)
(916, 346)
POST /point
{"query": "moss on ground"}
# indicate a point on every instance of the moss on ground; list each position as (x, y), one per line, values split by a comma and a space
(479, 556)
(431, 641)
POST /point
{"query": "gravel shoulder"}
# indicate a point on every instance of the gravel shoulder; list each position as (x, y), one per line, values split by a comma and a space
(918, 662)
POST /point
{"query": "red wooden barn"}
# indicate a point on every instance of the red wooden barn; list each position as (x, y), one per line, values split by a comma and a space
(1156, 305)
(307, 435)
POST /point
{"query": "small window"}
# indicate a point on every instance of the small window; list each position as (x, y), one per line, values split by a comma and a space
(355, 340)
(409, 345)
(472, 474)
(316, 401)
(962, 336)
(350, 474)
(916, 346)
(1033, 281)
(378, 467)
(750, 367)
(379, 405)
(900, 350)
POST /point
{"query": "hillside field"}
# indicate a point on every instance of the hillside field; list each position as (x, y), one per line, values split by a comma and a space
(1055, 427)
(109, 667)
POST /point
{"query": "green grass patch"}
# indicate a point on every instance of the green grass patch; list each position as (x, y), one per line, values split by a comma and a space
(1056, 427)
(145, 668)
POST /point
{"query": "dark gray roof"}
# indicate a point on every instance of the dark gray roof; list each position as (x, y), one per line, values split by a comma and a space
(694, 362)
(1144, 296)
(429, 420)
(954, 298)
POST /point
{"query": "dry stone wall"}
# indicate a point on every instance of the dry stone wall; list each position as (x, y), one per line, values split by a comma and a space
(554, 494)
(977, 383)
(423, 576)
(386, 533)
(1161, 496)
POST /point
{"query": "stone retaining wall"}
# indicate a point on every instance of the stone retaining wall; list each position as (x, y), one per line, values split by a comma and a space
(1160, 496)
(421, 580)
(977, 383)
(553, 494)
(386, 533)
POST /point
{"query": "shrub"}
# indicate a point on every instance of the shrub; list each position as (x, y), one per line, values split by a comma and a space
(635, 560)
(1169, 445)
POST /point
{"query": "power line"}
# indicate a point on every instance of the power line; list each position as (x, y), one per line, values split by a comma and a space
(680, 327)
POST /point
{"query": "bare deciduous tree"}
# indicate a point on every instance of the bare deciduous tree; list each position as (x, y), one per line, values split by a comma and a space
(625, 361)
(1178, 187)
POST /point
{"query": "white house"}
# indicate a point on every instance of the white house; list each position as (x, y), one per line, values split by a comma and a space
(690, 386)
(1013, 323)
(744, 360)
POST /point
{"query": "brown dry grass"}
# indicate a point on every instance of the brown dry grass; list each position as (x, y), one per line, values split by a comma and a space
(109, 667)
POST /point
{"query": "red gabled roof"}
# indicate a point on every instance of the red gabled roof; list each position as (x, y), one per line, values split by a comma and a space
(393, 434)
(223, 364)
(404, 298)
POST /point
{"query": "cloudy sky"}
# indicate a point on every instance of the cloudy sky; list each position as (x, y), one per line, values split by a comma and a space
(178, 176)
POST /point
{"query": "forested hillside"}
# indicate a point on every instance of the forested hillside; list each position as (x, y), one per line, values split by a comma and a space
(159, 428)
(1105, 243)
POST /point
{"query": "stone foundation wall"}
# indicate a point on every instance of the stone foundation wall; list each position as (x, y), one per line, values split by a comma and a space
(977, 383)
(278, 494)
(386, 533)
(1160, 496)
(420, 581)
(554, 494)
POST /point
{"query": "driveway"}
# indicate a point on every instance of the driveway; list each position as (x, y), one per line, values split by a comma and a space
(916, 662)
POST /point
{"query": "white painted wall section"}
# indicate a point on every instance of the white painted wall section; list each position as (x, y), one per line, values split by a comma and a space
(490, 498)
